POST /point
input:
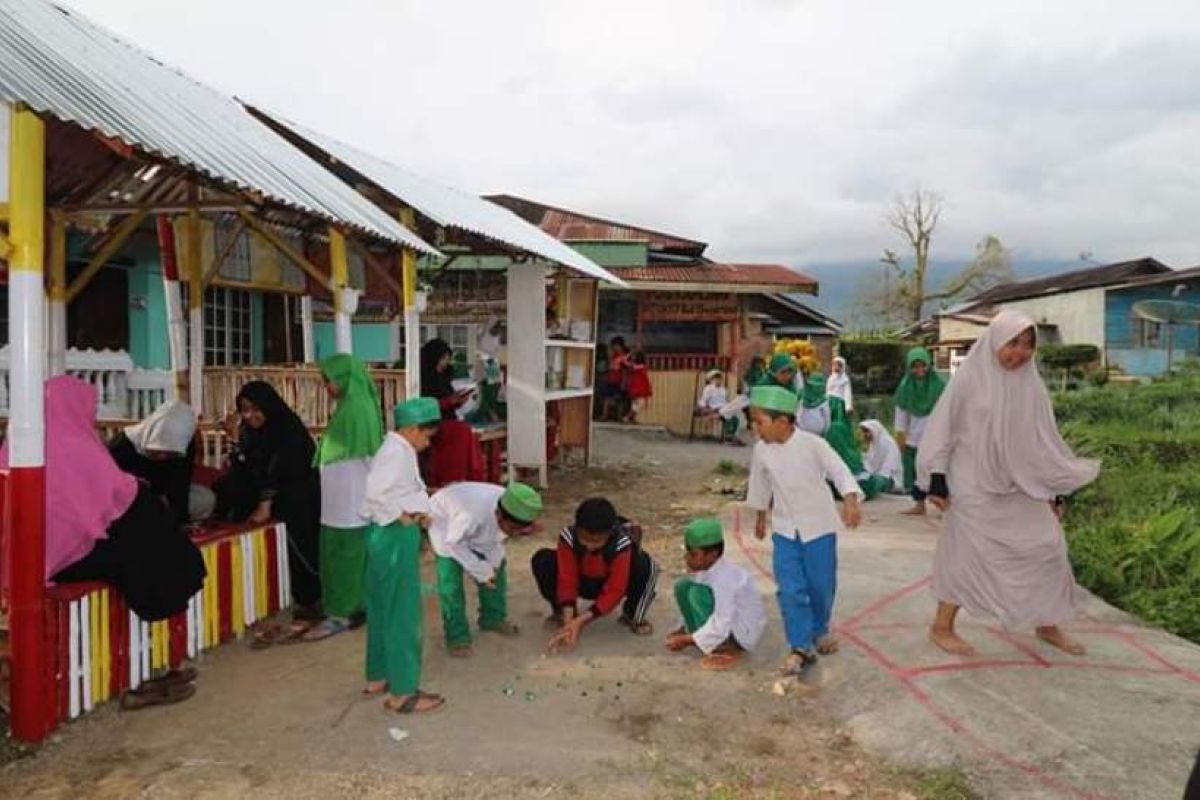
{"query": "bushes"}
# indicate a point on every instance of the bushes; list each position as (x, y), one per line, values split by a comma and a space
(1134, 535)
(876, 367)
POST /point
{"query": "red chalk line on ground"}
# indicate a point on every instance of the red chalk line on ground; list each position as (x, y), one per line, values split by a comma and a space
(851, 628)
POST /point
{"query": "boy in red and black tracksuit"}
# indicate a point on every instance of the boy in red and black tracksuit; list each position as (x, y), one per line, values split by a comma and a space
(599, 559)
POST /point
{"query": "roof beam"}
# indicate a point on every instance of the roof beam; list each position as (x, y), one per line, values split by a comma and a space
(107, 251)
(379, 269)
(220, 258)
(283, 246)
(212, 206)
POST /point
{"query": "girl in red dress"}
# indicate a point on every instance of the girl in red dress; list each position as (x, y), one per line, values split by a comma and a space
(639, 386)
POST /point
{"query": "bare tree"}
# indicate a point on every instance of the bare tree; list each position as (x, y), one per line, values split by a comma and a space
(903, 295)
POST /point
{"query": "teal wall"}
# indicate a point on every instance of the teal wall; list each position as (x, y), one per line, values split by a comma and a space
(370, 340)
(614, 254)
(149, 345)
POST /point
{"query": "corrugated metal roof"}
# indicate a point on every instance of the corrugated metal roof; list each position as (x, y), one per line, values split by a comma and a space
(57, 62)
(1073, 281)
(736, 274)
(568, 225)
(450, 207)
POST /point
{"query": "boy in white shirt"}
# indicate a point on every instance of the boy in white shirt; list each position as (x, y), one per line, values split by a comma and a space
(720, 605)
(467, 529)
(714, 401)
(397, 505)
(788, 475)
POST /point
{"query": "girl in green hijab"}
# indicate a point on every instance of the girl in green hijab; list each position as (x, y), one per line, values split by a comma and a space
(915, 398)
(353, 435)
(813, 415)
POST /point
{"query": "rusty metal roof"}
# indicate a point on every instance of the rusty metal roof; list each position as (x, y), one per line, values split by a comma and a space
(59, 63)
(567, 226)
(775, 275)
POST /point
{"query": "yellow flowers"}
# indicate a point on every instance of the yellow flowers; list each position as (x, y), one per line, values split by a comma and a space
(802, 352)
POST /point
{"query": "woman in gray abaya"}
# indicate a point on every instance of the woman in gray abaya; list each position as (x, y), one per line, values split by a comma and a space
(993, 460)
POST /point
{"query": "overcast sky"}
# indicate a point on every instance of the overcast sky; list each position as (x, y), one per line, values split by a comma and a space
(773, 129)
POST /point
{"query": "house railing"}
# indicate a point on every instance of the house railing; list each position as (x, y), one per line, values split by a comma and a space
(675, 362)
(300, 386)
(122, 391)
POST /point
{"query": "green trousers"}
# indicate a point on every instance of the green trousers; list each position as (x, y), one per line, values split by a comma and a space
(875, 485)
(729, 427)
(493, 602)
(696, 603)
(908, 458)
(394, 606)
(343, 570)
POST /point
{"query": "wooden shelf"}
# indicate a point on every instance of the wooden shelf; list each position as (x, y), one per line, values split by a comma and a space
(570, 343)
(568, 394)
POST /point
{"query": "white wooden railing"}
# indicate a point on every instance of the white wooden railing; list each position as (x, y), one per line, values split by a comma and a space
(122, 392)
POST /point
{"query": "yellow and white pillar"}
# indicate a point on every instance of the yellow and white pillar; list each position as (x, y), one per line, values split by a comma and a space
(342, 299)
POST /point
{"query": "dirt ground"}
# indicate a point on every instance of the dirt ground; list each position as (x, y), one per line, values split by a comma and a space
(620, 717)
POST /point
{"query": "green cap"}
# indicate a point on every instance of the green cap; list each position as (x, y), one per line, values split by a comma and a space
(417, 411)
(703, 532)
(521, 502)
(780, 362)
(773, 398)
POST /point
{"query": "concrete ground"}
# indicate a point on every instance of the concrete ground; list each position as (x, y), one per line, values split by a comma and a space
(622, 717)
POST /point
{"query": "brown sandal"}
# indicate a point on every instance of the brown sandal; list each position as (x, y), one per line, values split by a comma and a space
(643, 628)
(156, 695)
(720, 661)
(410, 704)
(505, 628)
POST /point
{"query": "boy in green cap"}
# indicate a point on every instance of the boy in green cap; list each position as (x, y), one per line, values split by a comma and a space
(467, 528)
(719, 602)
(788, 475)
(397, 506)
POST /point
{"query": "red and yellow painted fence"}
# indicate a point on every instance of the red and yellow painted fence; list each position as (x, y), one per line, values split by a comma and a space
(98, 648)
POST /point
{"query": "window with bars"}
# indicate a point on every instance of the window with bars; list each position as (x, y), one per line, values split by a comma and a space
(227, 325)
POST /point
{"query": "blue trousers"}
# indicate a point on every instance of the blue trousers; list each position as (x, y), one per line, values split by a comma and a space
(806, 577)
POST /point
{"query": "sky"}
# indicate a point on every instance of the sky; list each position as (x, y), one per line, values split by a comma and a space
(775, 130)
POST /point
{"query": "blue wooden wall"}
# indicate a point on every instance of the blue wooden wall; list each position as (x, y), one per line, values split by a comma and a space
(1120, 329)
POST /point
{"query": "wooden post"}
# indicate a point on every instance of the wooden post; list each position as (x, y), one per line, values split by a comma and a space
(22, 185)
(340, 273)
(412, 317)
(57, 355)
(195, 277)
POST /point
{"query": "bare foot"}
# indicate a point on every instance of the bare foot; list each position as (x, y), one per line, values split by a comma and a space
(720, 661)
(828, 645)
(950, 641)
(916, 511)
(375, 687)
(461, 651)
(1053, 636)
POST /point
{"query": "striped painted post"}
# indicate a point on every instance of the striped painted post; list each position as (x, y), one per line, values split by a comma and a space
(176, 325)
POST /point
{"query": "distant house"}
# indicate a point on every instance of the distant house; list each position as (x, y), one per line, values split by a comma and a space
(1093, 306)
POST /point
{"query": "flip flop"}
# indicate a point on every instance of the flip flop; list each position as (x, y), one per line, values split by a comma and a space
(505, 628)
(291, 633)
(323, 630)
(163, 695)
(176, 677)
(410, 703)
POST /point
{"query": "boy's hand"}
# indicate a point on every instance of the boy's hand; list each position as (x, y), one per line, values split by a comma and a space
(261, 513)
(567, 636)
(1059, 509)
(679, 641)
(489, 583)
(230, 424)
(901, 439)
(760, 525)
(851, 511)
(940, 503)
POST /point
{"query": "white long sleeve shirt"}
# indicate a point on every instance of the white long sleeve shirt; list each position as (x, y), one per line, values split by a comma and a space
(814, 420)
(738, 611)
(713, 397)
(393, 486)
(465, 528)
(789, 480)
(911, 425)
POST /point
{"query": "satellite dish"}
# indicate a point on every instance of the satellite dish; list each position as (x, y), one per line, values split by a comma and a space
(1169, 313)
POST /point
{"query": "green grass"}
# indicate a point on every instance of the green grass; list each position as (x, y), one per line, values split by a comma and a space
(1134, 535)
(944, 784)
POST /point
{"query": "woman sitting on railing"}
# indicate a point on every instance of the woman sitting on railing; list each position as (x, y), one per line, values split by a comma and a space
(455, 454)
(102, 524)
(160, 450)
(271, 476)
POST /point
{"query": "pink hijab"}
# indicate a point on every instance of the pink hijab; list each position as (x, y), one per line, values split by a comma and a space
(85, 491)
(1023, 450)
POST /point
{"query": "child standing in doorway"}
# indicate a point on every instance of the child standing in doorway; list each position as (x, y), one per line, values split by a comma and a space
(639, 389)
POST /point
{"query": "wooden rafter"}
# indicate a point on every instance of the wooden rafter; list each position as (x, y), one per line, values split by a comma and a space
(379, 269)
(107, 251)
(227, 248)
(283, 246)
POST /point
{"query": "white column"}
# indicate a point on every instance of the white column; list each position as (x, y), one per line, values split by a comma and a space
(306, 326)
(177, 330)
(526, 388)
(196, 359)
(394, 352)
(412, 352)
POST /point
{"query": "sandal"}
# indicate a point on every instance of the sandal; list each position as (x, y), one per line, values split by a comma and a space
(828, 645)
(797, 663)
(160, 695)
(461, 650)
(643, 628)
(374, 688)
(176, 677)
(504, 628)
(720, 661)
(411, 704)
(280, 634)
(330, 626)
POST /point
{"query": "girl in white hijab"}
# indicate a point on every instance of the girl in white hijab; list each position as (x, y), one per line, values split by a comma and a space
(158, 450)
(883, 454)
(839, 383)
(992, 458)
